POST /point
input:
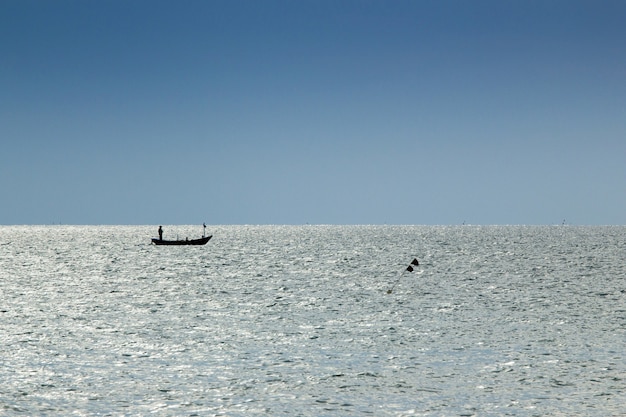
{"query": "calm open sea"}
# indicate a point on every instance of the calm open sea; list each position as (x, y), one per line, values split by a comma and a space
(297, 321)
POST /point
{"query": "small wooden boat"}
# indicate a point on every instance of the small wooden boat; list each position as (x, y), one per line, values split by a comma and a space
(201, 241)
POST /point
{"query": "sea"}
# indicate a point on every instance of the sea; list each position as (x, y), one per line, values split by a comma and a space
(313, 320)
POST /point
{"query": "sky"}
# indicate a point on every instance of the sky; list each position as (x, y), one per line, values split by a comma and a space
(437, 112)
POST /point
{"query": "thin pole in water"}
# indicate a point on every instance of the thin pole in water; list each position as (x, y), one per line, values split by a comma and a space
(409, 268)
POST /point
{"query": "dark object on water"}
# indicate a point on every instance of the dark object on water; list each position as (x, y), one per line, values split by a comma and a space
(413, 262)
(409, 268)
(201, 241)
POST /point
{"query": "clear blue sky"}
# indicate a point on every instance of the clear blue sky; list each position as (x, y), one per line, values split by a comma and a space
(320, 111)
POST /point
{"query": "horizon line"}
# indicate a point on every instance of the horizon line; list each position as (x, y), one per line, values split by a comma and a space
(311, 224)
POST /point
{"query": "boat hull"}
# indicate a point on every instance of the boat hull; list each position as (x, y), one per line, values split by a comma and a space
(195, 242)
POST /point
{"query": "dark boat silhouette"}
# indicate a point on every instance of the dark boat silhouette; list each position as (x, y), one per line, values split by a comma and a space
(202, 241)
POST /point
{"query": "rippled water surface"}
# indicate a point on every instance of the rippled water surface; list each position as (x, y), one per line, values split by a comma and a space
(298, 321)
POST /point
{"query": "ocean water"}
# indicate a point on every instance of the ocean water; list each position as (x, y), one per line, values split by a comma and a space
(298, 321)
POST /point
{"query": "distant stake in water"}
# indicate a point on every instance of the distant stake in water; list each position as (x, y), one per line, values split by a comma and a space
(409, 268)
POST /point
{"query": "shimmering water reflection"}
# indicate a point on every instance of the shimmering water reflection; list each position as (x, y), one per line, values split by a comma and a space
(296, 320)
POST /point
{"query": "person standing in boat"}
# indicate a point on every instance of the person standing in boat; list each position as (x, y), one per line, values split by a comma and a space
(160, 233)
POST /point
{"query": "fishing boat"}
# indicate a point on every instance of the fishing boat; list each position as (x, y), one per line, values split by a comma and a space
(201, 241)
(179, 242)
